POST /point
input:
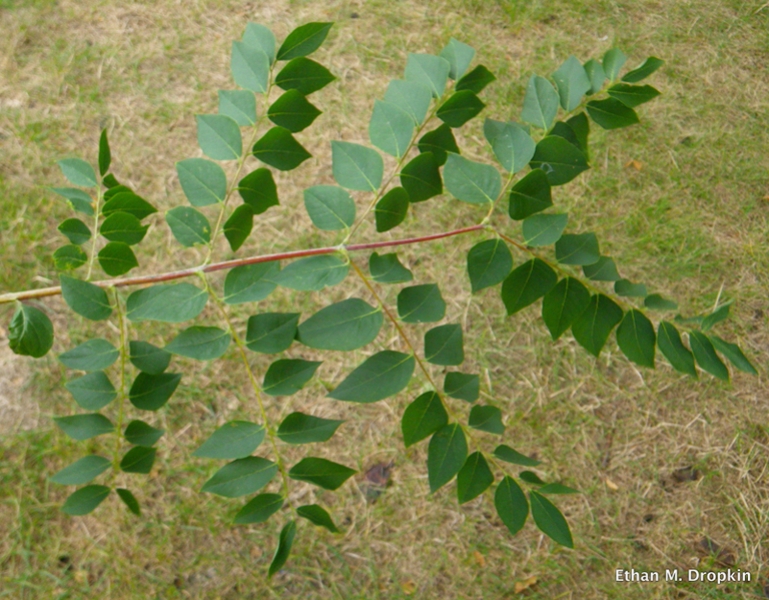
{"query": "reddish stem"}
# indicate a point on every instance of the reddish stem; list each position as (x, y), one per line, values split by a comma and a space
(238, 262)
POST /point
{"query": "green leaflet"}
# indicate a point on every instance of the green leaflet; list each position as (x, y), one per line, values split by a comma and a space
(486, 418)
(77, 199)
(527, 284)
(123, 227)
(151, 392)
(718, 315)
(140, 433)
(440, 142)
(239, 105)
(189, 226)
(321, 472)
(200, 343)
(219, 137)
(129, 500)
(444, 345)
(85, 500)
(93, 355)
(261, 37)
(345, 325)
(138, 459)
(577, 249)
(259, 509)
(540, 105)
(128, 202)
(488, 263)
(386, 268)
(670, 344)
(603, 269)
(390, 128)
(92, 391)
(544, 229)
(86, 299)
(117, 258)
(78, 172)
(84, 427)
(636, 338)
(463, 386)
(459, 56)
(258, 190)
(234, 439)
(251, 283)
(705, 355)
(592, 328)
(628, 289)
(559, 159)
(613, 61)
(69, 257)
(356, 167)
(596, 75)
(550, 520)
(299, 428)
(238, 227)
(512, 145)
(313, 273)
(285, 542)
(733, 354)
(30, 332)
(421, 304)
(287, 376)
(330, 207)
(317, 515)
(241, 477)
(391, 209)
(657, 302)
(105, 156)
(611, 113)
(470, 181)
(279, 149)
(293, 111)
(511, 504)
(632, 95)
(530, 195)
(382, 375)
(446, 454)
(304, 75)
(561, 306)
(459, 108)
(82, 471)
(476, 80)
(572, 82)
(203, 182)
(250, 67)
(423, 417)
(76, 231)
(411, 96)
(421, 178)
(303, 40)
(148, 358)
(474, 478)
(167, 302)
(642, 71)
(514, 457)
(429, 70)
(271, 333)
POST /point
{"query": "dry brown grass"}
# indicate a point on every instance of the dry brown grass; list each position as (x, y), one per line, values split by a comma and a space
(689, 221)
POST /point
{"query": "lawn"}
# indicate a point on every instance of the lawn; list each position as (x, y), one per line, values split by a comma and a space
(672, 471)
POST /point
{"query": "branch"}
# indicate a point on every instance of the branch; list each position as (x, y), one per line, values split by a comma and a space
(238, 262)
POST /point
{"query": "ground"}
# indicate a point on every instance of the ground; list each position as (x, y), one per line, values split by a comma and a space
(667, 466)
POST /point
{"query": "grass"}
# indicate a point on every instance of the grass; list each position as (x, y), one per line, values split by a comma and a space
(692, 220)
